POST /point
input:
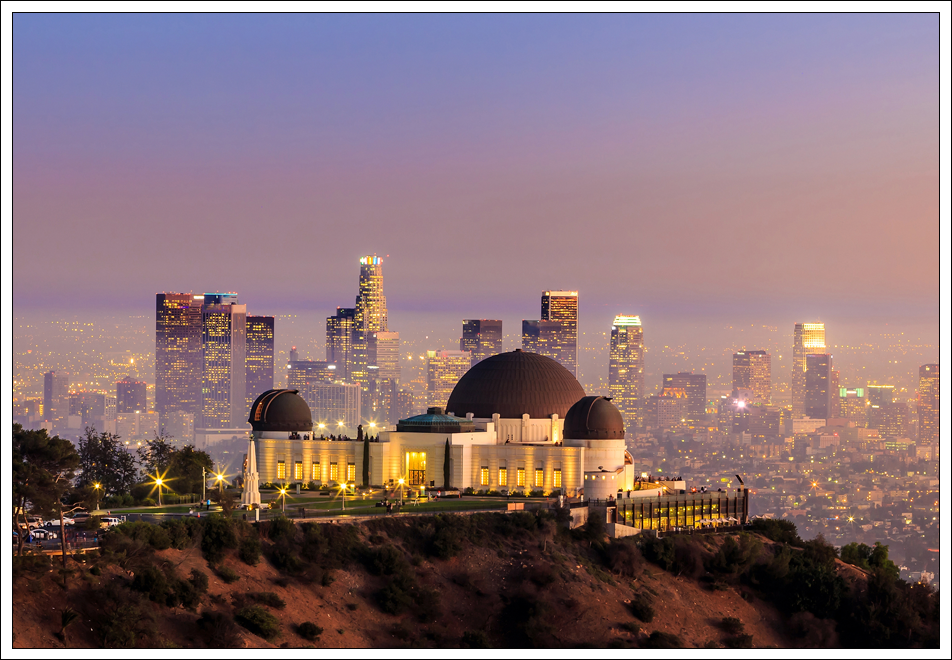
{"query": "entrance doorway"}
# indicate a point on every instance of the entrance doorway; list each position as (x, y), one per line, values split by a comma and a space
(416, 468)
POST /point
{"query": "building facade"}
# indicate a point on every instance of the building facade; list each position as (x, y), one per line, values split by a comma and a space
(131, 396)
(818, 392)
(626, 369)
(178, 353)
(752, 372)
(808, 338)
(443, 371)
(224, 345)
(482, 338)
(56, 397)
(929, 404)
(259, 356)
(694, 387)
(340, 337)
(562, 308)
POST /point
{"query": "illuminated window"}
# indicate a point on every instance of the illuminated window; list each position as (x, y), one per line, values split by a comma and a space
(538, 478)
(298, 470)
(557, 480)
(333, 471)
(521, 477)
(316, 472)
(351, 471)
(282, 473)
(503, 477)
(484, 476)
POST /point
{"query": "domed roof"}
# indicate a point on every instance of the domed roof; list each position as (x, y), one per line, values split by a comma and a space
(593, 418)
(513, 384)
(434, 421)
(280, 410)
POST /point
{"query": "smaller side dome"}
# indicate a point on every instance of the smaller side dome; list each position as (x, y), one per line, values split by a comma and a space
(280, 410)
(594, 418)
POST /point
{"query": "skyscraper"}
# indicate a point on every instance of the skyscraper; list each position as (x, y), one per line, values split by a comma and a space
(443, 371)
(562, 307)
(752, 372)
(818, 392)
(131, 396)
(259, 357)
(853, 405)
(541, 337)
(482, 338)
(56, 397)
(224, 343)
(178, 353)
(388, 355)
(929, 403)
(340, 338)
(694, 387)
(370, 317)
(626, 369)
(808, 338)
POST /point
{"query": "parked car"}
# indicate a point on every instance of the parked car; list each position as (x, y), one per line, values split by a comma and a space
(56, 523)
(112, 521)
(44, 534)
(34, 521)
(81, 516)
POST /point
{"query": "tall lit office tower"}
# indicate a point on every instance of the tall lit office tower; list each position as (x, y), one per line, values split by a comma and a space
(562, 307)
(482, 338)
(259, 357)
(694, 387)
(131, 396)
(808, 338)
(178, 354)
(853, 405)
(752, 372)
(929, 404)
(56, 396)
(388, 355)
(541, 337)
(370, 317)
(818, 392)
(443, 371)
(224, 342)
(626, 369)
(340, 337)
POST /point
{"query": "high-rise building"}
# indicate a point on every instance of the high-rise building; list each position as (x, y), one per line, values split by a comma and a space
(853, 405)
(694, 387)
(752, 372)
(482, 338)
(259, 357)
(90, 407)
(880, 395)
(542, 337)
(56, 397)
(131, 396)
(929, 403)
(340, 338)
(178, 353)
(818, 392)
(224, 343)
(303, 372)
(388, 355)
(808, 338)
(891, 419)
(370, 317)
(562, 307)
(443, 371)
(626, 369)
(665, 412)
(335, 407)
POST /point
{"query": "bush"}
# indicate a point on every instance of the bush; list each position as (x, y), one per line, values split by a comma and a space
(153, 583)
(268, 598)
(218, 534)
(662, 640)
(184, 592)
(117, 616)
(642, 609)
(249, 550)
(474, 639)
(281, 529)
(199, 580)
(781, 531)
(259, 621)
(740, 641)
(385, 560)
(227, 574)
(309, 631)
(732, 625)
(182, 531)
(624, 558)
(218, 630)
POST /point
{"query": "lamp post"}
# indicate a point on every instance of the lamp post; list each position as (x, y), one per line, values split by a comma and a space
(204, 482)
(158, 482)
(96, 487)
(220, 478)
(401, 482)
(283, 492)
(343, 492)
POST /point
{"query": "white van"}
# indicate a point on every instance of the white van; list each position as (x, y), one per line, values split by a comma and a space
(110, 521)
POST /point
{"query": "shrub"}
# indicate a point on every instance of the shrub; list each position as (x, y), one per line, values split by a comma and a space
(153, 583)
(624, 558)
(385, 560)
(662, 640)
(268, 598)
(642, 609)
(474, 639)
(95, 570)
(218, 630)
(309, 631)
(782, 531)
(249, 550)
(740, 641)
(227, 574)
(182, 531)
(282, 529)
(259, 621)
(283, 558)
(732, 625)
(184, 592)
(218, 534)
(199, 580)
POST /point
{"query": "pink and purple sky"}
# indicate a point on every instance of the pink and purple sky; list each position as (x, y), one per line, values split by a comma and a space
(694, 165)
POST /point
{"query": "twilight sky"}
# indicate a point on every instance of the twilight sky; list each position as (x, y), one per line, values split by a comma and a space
(776, 165)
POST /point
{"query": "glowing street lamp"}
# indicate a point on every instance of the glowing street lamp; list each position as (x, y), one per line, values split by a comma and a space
(96, 487)
(220, 478)
(401, 482)
(343, 491)
(158, 482)
(283, 492)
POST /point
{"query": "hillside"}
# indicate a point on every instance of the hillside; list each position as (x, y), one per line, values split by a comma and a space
(505, 581)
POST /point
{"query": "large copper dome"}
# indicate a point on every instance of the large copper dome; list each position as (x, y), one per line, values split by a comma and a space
(514, 384)
(594, 418)
(280, 410)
